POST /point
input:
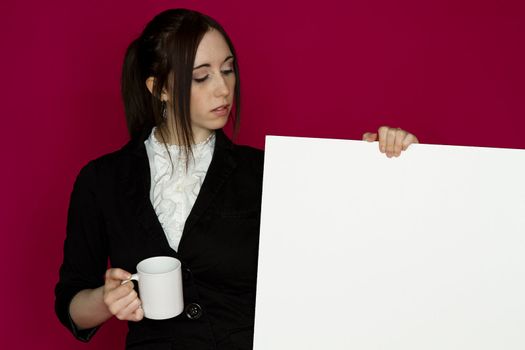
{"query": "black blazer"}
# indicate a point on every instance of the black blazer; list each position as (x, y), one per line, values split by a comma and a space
(111, 216)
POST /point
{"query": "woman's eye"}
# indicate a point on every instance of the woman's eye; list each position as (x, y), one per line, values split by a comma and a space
(200, 80)
(225, 72)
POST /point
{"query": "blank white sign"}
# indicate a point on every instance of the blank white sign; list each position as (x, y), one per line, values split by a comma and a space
(358, 251)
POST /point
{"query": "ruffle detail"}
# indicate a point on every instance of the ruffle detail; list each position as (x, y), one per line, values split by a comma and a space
(174, 191)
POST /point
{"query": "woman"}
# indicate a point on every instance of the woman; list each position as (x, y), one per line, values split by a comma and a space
(179, 188)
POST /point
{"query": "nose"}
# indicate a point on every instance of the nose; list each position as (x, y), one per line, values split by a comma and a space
(222, 89)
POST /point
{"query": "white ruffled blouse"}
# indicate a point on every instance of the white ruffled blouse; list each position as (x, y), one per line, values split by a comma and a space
(173, 193)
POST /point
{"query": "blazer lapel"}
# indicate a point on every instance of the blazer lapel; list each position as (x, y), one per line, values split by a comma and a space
(136, 181)
(222, 165)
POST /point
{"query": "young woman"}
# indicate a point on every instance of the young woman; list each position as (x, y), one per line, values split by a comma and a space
(179, 188)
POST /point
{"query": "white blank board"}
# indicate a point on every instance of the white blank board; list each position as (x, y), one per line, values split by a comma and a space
(359, 251)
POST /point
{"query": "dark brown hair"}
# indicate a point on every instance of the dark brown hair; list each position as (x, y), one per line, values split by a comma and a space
(166, 50)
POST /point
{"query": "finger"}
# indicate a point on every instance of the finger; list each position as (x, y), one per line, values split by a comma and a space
(370, 136)
(408, 140)
(382, 133)
(112, 295)
(390, 141)
(137, 315)
(116, 289)
(126, 313)
(117, 274)
(398, 143)
(118, 305)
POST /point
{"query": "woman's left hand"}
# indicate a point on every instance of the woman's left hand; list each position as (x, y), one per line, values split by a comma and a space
(391, 140)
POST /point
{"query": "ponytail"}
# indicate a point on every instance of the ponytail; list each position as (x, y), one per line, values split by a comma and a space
(137, 99)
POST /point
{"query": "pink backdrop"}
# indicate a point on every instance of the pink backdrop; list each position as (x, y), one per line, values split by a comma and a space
(450, 71)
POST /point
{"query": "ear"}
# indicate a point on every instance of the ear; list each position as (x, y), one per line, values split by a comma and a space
(150, 82)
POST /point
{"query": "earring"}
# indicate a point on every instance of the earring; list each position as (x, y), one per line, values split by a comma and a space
(163, 110)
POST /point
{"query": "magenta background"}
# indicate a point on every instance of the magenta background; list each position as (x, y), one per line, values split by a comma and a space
(452, 72)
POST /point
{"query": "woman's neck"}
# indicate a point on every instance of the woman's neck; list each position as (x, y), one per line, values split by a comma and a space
(171, 138)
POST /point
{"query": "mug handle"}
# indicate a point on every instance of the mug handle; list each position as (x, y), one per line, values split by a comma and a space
(135, 277)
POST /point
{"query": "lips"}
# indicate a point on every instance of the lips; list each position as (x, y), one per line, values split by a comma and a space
(220, 108)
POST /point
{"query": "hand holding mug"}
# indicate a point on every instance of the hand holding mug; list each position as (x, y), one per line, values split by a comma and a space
(120, 298)
(160, 285)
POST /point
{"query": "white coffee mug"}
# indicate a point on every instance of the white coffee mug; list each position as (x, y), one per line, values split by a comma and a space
(160, 287)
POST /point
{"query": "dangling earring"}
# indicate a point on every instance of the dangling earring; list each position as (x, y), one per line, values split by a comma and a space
(164, 112)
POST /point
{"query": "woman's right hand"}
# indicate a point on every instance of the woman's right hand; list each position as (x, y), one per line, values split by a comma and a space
(120, 298)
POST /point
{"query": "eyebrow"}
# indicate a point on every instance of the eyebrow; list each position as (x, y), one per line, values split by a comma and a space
(208, 65)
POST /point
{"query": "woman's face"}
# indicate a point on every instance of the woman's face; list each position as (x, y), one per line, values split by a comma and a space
(213, 85)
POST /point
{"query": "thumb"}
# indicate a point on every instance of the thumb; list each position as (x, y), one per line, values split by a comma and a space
(115, 276)
(370, 136)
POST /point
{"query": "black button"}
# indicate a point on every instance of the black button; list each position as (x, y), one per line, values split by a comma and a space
(193, 311)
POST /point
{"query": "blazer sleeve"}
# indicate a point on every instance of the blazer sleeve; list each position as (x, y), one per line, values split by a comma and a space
(85, 249)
